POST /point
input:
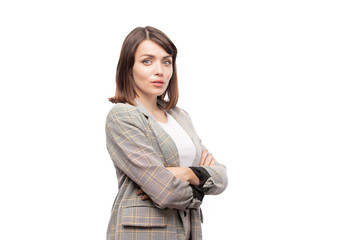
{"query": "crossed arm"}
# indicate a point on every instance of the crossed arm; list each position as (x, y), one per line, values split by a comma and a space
(175, 187)
(185, 173)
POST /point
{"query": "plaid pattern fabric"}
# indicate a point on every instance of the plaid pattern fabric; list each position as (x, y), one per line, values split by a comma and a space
(140, 150)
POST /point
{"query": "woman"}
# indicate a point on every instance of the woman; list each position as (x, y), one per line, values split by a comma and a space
(163, 170)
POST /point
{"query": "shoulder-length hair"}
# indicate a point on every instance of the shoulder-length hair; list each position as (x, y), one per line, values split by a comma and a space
(125, 92)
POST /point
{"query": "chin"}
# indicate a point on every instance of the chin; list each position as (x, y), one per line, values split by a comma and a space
(159, 93)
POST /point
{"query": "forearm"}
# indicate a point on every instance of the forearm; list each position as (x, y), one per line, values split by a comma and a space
(186, 174)
(144, 167)
(195, 176)
(218, 180)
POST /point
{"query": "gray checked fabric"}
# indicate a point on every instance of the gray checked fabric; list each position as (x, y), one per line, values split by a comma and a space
(141, 150)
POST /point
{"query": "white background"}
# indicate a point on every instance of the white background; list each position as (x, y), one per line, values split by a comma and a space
(272, 88)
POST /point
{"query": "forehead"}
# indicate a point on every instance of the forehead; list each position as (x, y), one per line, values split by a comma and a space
(148, 47)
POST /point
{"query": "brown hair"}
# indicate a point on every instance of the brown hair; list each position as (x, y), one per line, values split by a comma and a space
(125, 92)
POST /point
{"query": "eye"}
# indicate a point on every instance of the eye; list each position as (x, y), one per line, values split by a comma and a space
(167, 62)
(146, 61)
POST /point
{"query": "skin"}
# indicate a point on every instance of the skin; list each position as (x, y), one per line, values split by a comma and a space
(153, 63)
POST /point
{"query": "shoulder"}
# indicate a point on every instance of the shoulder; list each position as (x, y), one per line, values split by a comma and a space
(122, 112)
(122, 109)
(180, 114)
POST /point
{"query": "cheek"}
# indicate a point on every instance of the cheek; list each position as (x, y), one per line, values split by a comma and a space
(139, 74)
(169, 73)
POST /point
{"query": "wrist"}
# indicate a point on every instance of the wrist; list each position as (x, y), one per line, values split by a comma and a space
(192, 178)
(202, 174)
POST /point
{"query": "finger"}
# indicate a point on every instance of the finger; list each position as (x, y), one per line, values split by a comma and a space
(145, 197)
(139, 192)
(213, 162)
(208, 160)
(203, 157)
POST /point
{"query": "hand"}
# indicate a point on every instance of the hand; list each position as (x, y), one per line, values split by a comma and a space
(143, 195)
(185, 174)
(207, 159)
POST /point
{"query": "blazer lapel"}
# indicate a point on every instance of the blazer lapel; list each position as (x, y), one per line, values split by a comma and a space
(165, 142)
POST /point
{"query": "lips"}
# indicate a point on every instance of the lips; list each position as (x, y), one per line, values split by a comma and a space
(158, 81)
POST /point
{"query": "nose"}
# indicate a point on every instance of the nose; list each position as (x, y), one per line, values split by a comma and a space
(158, 69)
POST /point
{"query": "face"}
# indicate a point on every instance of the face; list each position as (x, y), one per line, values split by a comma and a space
(152, 70)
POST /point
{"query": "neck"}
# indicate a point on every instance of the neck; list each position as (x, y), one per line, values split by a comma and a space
(154, 110)
(149, 104)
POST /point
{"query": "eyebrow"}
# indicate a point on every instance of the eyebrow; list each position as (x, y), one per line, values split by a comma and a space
(152, 56)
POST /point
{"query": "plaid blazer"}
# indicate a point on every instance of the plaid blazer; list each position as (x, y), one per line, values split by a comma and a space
(141, 150)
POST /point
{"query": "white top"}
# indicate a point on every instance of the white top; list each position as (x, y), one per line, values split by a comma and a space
(187, 152)
(184, 143)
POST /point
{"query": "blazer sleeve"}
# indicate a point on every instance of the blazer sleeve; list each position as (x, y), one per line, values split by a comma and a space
(130, 150)
(217, 182)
